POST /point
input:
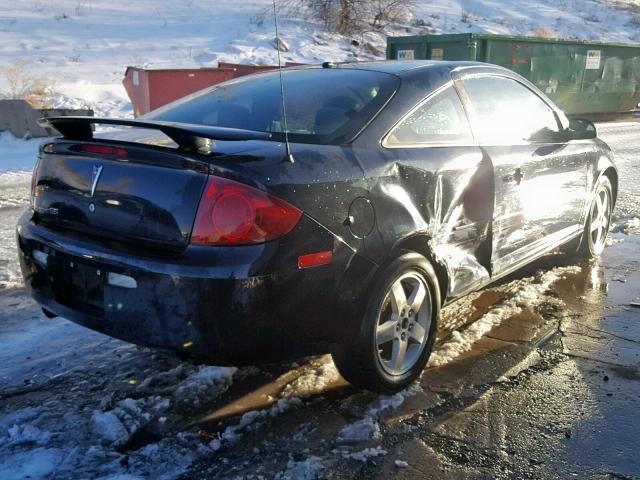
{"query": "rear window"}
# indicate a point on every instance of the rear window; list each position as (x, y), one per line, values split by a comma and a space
(327, 106)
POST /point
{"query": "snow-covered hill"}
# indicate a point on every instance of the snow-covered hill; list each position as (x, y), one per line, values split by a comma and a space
(82, 47)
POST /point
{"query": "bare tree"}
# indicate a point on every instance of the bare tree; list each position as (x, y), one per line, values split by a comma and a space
(349, 16)
(384, 12)
(36, 91)
(17, 78)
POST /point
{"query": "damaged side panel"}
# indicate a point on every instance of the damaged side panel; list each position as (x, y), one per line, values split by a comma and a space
(442, 195)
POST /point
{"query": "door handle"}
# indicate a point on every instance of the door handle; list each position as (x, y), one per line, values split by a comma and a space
(516, 177)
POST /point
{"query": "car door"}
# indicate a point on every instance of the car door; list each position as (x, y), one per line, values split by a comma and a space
(443, 172)
(539, 180)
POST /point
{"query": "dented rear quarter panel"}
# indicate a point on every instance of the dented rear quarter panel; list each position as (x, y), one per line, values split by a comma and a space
(438, 197)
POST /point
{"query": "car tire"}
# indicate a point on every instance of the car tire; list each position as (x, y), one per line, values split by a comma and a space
(598, 221)
(398, 328)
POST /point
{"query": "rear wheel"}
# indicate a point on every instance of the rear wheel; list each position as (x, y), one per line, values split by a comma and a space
(395, 339)
(598, 221)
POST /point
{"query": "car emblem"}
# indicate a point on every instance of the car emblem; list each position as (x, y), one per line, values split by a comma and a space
(92, 207)
(97, 170)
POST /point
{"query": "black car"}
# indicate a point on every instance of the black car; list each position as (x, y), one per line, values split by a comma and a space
(408, 185)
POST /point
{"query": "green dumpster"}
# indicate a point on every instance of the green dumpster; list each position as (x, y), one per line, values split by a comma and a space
(581, 77)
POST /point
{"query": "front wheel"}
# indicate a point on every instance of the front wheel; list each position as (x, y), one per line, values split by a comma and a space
(598, 221)
(397, 333)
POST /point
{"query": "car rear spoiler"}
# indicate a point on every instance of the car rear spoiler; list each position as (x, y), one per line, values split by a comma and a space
(188, 136)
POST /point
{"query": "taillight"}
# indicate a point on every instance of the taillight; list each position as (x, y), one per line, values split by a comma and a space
(232, 213)
(104, 150)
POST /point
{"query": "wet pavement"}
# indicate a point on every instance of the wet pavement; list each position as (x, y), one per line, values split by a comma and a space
(569, 405)
(552, 391)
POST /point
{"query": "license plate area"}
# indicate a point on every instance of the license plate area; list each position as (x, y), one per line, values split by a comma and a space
(79, 285)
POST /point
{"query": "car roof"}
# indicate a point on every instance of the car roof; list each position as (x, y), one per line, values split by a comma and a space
(400, 67)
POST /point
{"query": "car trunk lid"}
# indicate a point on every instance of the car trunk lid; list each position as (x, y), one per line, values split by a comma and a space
(128, 195)
(129, 186)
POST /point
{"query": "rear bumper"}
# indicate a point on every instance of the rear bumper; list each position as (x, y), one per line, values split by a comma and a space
(224, 304)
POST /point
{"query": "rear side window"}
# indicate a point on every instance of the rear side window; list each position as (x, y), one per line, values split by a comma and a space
(440, 119)
(504, 111)
(328, 106)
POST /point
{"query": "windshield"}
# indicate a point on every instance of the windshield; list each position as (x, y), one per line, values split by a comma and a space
(328, 106)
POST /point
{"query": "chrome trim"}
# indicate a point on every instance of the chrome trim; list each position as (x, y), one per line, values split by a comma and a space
(97, 171)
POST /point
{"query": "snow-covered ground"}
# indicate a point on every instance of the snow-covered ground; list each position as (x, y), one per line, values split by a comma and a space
(17, 158)
(82, 47)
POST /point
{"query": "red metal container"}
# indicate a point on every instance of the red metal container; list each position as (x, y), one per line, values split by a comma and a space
(150, 89)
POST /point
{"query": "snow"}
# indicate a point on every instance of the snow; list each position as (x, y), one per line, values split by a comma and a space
(39, 463)
(367, 453)
(27, 434)
(252, 420)
(109, 427)
(391, 402)
(360, 431)
(626, 226)
(10, 276)
(65, 436)
(17, 157)
(318, 374)
(207, 382)
(308, 469)
(16, 154)
(367, 428)
(401, 464)
(116, 426)
(525, 292)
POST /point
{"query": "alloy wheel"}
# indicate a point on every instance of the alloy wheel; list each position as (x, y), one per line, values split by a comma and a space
(404, 322)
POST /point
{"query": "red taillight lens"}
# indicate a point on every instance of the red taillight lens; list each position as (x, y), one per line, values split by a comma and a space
(232, 213)
(104, 150)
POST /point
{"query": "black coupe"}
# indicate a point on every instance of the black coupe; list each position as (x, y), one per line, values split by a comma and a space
(408, 185)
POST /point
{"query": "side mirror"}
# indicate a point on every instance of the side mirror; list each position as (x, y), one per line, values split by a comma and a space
(581, 129)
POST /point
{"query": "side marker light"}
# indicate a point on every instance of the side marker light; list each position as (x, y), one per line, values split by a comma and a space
(314, 259)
